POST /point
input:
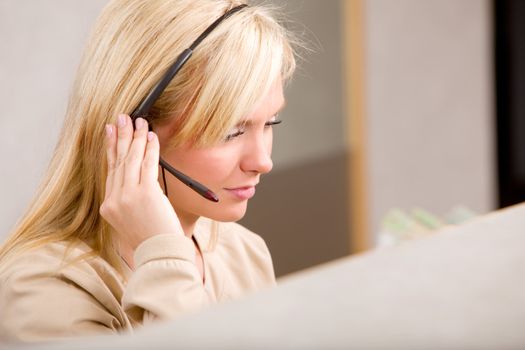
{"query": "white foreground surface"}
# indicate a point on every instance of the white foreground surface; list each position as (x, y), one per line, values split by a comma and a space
(462, 288)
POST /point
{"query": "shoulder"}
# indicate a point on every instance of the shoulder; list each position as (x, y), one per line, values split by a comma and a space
(76, 260)
(55, 285)
(46, 260)
(71, 263)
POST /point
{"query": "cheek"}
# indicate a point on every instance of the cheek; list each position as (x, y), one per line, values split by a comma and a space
(269, 141)
(214, 169)
(211, 167)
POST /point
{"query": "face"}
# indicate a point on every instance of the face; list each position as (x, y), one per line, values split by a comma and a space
(231, 169)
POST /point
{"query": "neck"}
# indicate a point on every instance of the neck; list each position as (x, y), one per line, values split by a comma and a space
(188, 222)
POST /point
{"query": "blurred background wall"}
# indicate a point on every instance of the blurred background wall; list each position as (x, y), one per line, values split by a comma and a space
(428, 116)
(430, 109)
(41, 46)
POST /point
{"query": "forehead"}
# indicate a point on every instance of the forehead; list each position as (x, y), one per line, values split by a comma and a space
(270, 104)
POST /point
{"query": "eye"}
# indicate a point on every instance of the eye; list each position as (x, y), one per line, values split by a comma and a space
(273, 121)
(235, 133)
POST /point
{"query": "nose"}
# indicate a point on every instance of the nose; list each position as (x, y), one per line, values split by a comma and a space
(258, 155)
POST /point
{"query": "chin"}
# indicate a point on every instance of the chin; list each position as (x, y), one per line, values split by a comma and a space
(229, 213)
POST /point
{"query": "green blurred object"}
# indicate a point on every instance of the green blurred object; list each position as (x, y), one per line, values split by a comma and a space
(427, 219)
(398, 225)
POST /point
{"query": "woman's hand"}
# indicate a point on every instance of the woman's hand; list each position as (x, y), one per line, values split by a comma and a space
(134, 204)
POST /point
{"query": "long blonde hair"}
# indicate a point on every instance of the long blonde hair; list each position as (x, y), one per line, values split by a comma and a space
(131, 46)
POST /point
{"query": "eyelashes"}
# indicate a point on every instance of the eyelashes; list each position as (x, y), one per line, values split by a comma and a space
(240, 132)
(273, 122)
(234, 135)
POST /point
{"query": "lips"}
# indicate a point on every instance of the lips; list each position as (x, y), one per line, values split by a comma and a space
(242, 193)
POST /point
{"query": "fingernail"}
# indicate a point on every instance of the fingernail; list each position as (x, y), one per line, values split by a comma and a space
(151, 135)
(139, 123)
(109, 130)
(122, 120)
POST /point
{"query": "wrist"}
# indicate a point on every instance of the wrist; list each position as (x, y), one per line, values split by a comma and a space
(164, 246)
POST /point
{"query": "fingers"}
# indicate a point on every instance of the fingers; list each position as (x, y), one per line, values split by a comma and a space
(133, 162)
(124, 139)
(133, 156)
(111, 155)
(150, 165)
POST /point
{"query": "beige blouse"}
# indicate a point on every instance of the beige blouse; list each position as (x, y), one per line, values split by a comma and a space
(42, 297)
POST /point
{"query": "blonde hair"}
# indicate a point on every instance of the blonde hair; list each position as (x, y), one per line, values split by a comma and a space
(131, 46)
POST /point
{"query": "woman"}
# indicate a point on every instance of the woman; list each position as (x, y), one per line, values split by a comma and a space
(111, 243)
